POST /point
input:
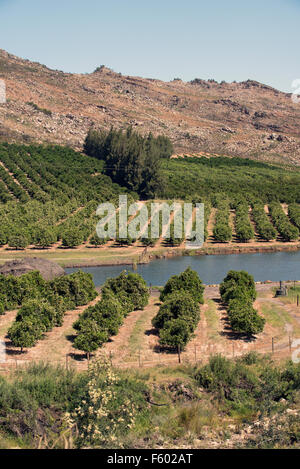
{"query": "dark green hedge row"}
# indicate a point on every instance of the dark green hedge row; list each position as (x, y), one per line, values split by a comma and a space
(294, 214)
(264, 227)
(43, 304)
(238, 293)
(179, 314)
(121, 295)
(285, 228)
(243, 227)
(222, 229)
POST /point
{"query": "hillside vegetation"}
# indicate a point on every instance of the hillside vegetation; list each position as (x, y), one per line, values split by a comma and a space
(248, 402)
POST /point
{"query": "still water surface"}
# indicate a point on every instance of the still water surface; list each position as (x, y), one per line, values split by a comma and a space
(273, 266)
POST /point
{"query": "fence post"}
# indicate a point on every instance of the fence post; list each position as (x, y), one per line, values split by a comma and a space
(179, 356)
(290, 343)
(297, 300)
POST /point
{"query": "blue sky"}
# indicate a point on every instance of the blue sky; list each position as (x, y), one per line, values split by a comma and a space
(225, 40)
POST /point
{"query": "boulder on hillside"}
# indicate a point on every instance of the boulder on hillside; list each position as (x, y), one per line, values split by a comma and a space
(48, 269)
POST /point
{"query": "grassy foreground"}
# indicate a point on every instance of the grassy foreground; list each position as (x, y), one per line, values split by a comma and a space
(243, 403)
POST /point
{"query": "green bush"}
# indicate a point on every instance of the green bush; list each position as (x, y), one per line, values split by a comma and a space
(96, 241)
(175, 333)
(285, 228)
(243, 228)
(78, 288)
(90, 337)
(238, 292)
(72, 237)
(25, 333)
(178, 305)
(43, 303)
(187, 281)
(107, 314)
(237, 279)
(245, 319)
(263, 225)
(222, 230)
(130, 289)
(40, 312)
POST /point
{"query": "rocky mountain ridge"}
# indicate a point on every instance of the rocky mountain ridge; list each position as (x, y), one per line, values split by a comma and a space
(247, 119)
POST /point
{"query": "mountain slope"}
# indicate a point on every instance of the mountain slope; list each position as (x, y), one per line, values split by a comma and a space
(246, 119)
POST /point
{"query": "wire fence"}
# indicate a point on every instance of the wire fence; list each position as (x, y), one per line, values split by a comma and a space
(196, 355)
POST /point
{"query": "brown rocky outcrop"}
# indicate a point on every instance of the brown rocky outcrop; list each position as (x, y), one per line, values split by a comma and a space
(50, 106)
(48, 269)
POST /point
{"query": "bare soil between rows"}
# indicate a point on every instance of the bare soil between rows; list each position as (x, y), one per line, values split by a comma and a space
(137, 342)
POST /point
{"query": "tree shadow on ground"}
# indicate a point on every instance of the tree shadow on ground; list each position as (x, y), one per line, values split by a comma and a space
(151, 331)
(79, 357)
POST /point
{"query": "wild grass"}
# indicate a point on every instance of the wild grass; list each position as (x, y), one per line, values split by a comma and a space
(276, 316)
(212, 320)
(178, 405)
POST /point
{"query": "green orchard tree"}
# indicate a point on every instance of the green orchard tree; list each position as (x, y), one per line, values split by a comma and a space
(187, 281)
(90, 337)
(175, 334)
(24, 334)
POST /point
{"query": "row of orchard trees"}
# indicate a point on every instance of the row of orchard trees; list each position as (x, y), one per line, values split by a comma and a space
(46, 173)
(264, 227)
(176, 320)
(286, 229)
(294, 214)
(121, 295)
(243, 227)
(179, 314)
(238, 293)
(39, 187)
(42, 303)
(222, 230)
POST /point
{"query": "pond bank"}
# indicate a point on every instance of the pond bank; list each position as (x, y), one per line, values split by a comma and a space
(168, 253)
(133, 256)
